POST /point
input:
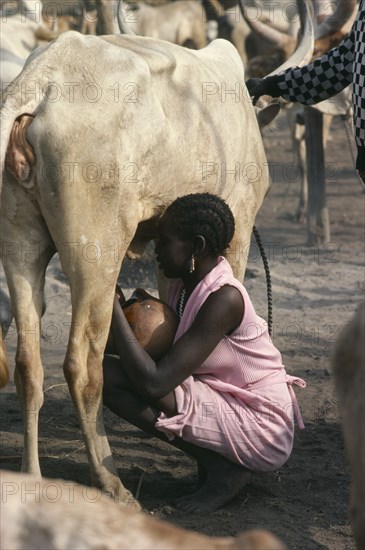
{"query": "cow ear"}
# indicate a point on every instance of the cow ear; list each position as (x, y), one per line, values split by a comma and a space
(267, 114)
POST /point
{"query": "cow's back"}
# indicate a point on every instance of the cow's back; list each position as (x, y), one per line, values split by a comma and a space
(172, 119)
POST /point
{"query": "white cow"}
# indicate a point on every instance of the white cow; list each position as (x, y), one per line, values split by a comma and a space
(114, 129)
(59, 514)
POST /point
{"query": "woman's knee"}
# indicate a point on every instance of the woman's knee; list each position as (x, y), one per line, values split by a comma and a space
(112, 370)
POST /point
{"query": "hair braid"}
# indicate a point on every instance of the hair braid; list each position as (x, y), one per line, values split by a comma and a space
(204, 214)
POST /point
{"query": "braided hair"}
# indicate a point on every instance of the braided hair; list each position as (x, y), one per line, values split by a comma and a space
(203, 214)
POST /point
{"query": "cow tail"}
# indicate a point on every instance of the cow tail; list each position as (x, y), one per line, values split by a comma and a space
(6, 123)
(7, 118)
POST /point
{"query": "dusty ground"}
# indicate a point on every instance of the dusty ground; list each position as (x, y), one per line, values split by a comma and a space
(315, 291)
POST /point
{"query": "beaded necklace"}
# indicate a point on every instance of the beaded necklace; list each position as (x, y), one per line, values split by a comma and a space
(181, 303)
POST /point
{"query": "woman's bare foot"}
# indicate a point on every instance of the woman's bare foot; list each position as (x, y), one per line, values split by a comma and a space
(223, 481)
(202, 476)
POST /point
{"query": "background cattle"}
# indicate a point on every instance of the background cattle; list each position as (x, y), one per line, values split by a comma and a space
(348, 362)
(318, 118)
(180, 22)
(310, 124)
(21, 22)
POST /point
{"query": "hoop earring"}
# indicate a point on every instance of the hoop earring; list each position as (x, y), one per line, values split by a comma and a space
(192, 264)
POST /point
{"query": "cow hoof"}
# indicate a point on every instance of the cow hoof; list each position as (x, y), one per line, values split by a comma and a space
(131, 502)
(125, 497)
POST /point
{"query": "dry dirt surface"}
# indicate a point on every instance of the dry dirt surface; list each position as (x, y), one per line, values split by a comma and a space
(315, 291)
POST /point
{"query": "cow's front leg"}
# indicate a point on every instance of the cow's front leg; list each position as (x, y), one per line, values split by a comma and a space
(84, 375)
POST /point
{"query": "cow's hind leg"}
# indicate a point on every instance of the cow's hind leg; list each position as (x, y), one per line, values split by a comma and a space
(26, 257)
(92, 293)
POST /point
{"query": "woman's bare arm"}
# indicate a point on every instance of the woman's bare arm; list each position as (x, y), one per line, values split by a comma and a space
(220, 314)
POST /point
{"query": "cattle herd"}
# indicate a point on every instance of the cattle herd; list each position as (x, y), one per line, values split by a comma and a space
(74, 110)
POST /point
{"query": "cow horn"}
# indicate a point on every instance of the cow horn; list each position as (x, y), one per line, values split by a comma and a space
(335, 22)
(42, 33)
(122, 19)
(106, 16)
(267, 32)
(304, 50)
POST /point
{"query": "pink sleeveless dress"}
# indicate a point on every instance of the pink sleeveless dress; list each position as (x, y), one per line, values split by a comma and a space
(240, 402)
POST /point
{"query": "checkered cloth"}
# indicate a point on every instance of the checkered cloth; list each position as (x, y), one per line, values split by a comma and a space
(328, 75)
